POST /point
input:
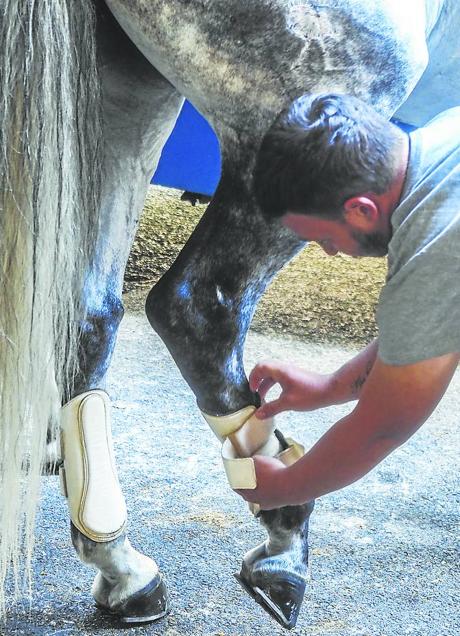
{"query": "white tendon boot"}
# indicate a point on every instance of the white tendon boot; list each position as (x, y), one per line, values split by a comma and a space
(243, 435)
(128, 583)
(275, 572)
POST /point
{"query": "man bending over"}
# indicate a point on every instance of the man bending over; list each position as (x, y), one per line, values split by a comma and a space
(339, 174)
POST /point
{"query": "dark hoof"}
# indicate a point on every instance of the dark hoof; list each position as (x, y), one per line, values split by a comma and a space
(282, 598)
(148, 605)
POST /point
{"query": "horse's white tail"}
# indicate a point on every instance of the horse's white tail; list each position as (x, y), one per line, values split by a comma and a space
(49, 201)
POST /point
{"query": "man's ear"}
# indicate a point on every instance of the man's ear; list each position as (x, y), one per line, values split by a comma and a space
(362, 213)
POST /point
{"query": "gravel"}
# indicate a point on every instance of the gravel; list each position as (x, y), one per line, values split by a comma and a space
(384, 551)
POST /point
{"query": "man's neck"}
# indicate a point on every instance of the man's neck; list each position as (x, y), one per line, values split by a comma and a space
(389, 201)
(396, 190)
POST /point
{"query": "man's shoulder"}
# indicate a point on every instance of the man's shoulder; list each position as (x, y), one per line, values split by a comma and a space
(441, 135)
(445, 119)
(434, 158)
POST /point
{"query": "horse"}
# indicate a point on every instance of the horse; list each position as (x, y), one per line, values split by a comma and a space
(90, 92)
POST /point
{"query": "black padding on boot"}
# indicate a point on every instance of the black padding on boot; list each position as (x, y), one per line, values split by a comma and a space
(282, 599)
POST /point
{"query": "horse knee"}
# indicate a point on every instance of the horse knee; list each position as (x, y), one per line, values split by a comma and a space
(162, 306)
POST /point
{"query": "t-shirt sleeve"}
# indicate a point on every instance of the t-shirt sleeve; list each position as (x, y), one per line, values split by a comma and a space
(418, 314)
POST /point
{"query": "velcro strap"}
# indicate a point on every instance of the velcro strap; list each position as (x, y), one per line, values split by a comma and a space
(241, 473)
(224, 425)
(291, 454)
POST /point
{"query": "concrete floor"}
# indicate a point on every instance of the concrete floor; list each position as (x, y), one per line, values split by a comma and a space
(384, 551)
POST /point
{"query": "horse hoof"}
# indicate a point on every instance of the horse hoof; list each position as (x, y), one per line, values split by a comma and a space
(149, 604)
(281, 595)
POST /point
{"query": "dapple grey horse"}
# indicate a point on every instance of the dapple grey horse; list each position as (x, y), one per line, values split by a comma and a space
(240, 64)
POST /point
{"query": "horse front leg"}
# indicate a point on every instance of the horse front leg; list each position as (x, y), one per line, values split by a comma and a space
(275, 572)
(140, 109)
(202, 308)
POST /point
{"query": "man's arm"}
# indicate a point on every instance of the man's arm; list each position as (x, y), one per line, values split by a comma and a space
(394, 403)
(348, 381)
(303, 390)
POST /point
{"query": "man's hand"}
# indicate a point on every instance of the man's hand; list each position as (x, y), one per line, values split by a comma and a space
(306, 390)
(272, 484)
(394, 402)
(300, 390)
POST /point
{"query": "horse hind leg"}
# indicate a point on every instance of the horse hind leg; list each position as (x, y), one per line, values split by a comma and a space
(128, 583)
(140, 109)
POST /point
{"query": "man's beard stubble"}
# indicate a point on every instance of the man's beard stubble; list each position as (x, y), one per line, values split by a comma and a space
(373, 244)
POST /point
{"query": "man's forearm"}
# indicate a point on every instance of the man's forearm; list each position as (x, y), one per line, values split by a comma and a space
(348, 381)
(343, 455)
(394, 402)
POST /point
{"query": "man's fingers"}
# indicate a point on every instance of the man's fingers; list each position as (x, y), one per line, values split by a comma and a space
(262, 378)
(263, 371)
(260, 371)
(256, 376)
(265, 386)
(270, 409)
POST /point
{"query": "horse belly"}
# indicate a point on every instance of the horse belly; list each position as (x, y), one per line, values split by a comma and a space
(240, 63)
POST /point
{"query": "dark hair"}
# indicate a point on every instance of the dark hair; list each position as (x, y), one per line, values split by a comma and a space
(322, 150)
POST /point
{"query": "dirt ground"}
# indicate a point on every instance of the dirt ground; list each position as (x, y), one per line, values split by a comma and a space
(315, 297)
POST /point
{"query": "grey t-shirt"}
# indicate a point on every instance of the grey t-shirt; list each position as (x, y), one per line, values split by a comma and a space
(419, 307)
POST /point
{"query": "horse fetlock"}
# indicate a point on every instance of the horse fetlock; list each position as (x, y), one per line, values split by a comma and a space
(88, 473)
(128, 583)
(148, 604)
(270, 570)
(272, 556)
(123, 572)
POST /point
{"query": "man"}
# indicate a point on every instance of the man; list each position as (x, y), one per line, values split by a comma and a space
(338, 173)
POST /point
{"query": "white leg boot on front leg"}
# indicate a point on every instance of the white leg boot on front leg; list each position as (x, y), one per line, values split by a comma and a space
(128, 583)
(275, 572)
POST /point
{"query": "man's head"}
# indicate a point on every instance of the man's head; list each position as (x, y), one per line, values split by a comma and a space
(333, 169)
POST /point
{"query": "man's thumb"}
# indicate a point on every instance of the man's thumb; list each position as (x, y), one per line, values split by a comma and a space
(269, 409)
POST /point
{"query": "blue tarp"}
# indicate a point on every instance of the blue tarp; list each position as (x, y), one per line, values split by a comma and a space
(190, 160)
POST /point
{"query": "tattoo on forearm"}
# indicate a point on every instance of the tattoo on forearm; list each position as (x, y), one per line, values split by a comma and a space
(357, 384)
